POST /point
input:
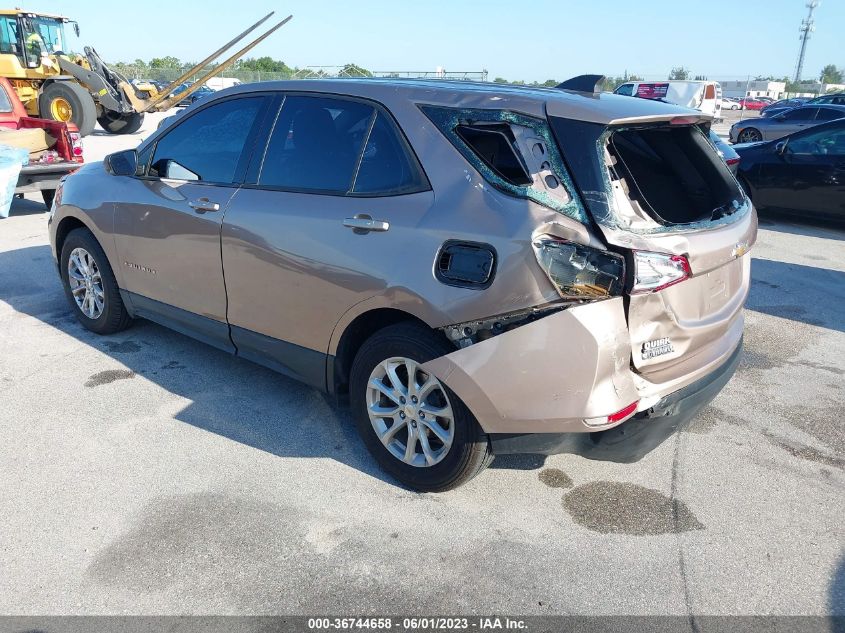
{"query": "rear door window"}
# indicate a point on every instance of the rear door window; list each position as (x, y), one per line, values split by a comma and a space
(316, 144)
(800, 114)
(209, 145)
(829, 114)
(387, 166)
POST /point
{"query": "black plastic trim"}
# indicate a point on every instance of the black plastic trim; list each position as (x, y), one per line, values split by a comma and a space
(214, 333)
(635, 438)
(302, 364)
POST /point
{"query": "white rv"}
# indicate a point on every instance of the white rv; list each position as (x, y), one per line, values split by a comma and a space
(699, 95)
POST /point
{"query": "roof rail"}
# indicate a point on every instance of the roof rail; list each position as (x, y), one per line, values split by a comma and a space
(582, 83)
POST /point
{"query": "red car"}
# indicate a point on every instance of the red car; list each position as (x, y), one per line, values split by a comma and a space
(46, 168)
(749, 103)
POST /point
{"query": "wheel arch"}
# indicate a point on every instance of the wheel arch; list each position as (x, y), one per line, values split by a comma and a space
(348, 340)
(65, 226)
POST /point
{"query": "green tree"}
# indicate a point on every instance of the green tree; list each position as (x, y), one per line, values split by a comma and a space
(830, 74)
(550, 83)
(353, 70)
(168, 62)
(679, 72)
(500, 80)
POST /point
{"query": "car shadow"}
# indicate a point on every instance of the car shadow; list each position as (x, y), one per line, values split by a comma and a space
(24, 206)
(808, 294)
(808, 227)
(223, 394)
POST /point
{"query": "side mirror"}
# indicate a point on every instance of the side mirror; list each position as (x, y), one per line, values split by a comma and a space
(778, 117)
(780, 148)
(122, 163)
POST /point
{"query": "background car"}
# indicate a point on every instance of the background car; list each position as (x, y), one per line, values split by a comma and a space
(781, 106)
(834, 99)
(802, 173)
(200, 93)
(749, 103)
(774, 127)
(729, 103)
(724, 150)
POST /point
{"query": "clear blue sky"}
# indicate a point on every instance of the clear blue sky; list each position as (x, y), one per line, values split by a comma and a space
(533, 40)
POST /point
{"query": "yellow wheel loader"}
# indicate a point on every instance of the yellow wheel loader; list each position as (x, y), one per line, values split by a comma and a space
(55, 84)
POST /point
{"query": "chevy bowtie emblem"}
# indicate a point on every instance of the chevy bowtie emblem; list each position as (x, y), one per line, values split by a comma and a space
(740, 249)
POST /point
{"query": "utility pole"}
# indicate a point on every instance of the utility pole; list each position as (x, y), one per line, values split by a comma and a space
(806, 29)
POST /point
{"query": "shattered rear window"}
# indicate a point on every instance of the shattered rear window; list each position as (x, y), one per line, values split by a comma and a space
(514, 152)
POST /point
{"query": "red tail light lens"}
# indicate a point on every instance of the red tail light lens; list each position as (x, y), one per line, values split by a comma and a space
(732, 161)
(656, 271)
(76, 145)
(620, 416)
(623, 413)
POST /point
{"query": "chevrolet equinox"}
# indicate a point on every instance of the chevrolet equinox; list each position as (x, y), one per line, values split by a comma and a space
(476, 269)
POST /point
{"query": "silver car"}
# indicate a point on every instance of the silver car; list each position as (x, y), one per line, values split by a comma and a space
(774, 127)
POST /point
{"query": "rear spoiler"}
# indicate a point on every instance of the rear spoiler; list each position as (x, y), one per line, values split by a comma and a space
(585, 102)
(582, 83)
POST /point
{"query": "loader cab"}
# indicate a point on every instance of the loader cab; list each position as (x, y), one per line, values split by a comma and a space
(28, 36)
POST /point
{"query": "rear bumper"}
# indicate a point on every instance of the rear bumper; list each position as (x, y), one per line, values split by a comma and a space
(40, 177)
(635, 438)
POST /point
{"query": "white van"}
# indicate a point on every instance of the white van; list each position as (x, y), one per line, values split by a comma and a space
(699, 95)
(219, 83)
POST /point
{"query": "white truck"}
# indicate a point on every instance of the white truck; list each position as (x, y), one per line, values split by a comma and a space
(702, 95)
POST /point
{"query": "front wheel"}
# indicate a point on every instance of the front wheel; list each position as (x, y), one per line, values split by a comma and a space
(121, 123)
(417, 429)
(68, 102)
(90, 285)
(749, 135)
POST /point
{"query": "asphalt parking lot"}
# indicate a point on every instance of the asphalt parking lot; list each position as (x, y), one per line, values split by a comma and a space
(147, 473)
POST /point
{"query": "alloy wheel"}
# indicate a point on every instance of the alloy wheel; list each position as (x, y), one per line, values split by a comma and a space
(750, 136)
(86, 283)
(410, 412)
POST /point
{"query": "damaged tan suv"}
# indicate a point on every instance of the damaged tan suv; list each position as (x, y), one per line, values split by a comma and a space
(478, 269)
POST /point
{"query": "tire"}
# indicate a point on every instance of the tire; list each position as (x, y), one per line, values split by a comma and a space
(48, 195)
(83, 112)
(749, 135)
(113, 317)
(119, 123)
(469, 452)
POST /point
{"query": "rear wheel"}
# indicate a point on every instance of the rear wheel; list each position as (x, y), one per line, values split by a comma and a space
(749, 135)
(89, 284)
(417, 429)
(121, 123)
(68, 102)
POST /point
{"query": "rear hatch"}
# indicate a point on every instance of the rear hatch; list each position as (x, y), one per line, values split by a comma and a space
(660, 194)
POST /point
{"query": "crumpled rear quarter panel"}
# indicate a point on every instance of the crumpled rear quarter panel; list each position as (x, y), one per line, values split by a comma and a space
(546, 376)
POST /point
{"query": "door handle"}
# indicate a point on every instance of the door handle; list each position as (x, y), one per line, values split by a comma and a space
(363, 223)
(203, 204)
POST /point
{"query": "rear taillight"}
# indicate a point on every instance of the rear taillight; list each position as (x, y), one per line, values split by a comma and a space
(732, 161)
(619, 416)
(656, 271)
(578, 271)
(76, 145)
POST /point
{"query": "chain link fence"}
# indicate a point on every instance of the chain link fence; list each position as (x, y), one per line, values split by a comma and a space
(168, 75)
